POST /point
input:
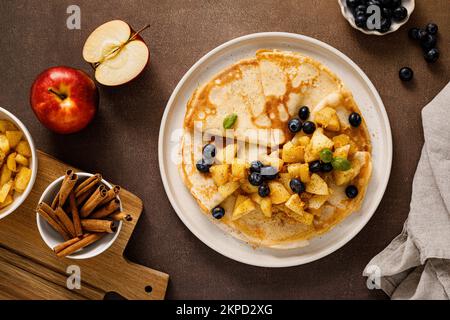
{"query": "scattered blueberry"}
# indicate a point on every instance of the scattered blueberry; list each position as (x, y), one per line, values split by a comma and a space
(295, 125)
(309, 127)
(432, 28)
(432, 55)
(256, 166)
(399, 14)
(209, 152)
(413, 33)
(263, 190)
(421, 34)
(355, 119)
(202, 166)
(315, 166)
(218, 212)
(297, 186)
(255, 179)
(406, 74)
(326, 167)
(269, 173)
(351, 191)
(303, 113)
(428, 42)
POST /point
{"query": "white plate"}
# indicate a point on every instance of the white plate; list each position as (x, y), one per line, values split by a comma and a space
(186, 207)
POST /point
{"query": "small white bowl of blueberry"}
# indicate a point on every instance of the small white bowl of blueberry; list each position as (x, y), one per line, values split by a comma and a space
(377, 17)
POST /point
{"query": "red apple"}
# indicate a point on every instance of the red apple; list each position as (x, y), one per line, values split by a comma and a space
(64, 99)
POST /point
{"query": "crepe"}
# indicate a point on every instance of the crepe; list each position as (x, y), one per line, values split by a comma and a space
(273, 86)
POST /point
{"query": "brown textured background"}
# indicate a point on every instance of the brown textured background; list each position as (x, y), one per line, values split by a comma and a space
(122, 141)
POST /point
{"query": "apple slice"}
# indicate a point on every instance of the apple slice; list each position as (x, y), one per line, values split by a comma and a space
(117, 53)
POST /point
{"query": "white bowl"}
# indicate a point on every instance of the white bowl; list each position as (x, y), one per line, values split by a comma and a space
(53, 238)
(347, 13)
(20, 198)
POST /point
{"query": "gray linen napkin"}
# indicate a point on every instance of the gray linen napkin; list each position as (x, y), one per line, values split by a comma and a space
(416, 264)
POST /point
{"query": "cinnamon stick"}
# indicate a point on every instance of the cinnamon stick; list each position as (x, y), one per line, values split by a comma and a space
(97, 225)
(55, 201)
(55, 225)
(67, 185)
(88, 184)
(89, 239)
(82, 198)
(93, 202)
(75, 214)
(64, 218)
(118, 216)
(111, 194)
(106, 210)
(48, 210)
(58, 248)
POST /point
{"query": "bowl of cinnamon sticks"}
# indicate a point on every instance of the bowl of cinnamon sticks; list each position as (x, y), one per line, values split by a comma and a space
(80, 215)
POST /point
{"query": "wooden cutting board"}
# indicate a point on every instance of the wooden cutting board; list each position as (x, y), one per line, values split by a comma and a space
(30, 270)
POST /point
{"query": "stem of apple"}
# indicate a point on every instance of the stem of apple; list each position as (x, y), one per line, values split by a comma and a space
(137, 32)
(62, 96)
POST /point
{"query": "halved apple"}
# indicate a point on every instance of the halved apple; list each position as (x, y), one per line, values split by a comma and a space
(117, 53)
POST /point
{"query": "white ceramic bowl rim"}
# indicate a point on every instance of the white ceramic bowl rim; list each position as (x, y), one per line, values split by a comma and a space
(94, 249)
(34, 164)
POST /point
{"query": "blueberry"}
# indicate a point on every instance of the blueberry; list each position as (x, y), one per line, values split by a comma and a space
(360, 10)
(269, 173)
(351, 191)
(386, 3)
(355, 119)
(428, 42)
(303, 113)
(432, 55)
(309, 127)
(263, 190)
(386, 13)
(361, 21)
(352, 3)
(421, 34)
(413, 33)
(395, 3)
(203, 166)
(432, 28)
(326, 167)
(295, 125)
(406, 74)
(256, 166)
(255, 179)
(315, 166)
(218, 212)
(399, 14)
(209, 152)
(297, 186)
(385, 25)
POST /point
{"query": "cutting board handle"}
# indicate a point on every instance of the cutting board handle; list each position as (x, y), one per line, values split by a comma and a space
(139, 282)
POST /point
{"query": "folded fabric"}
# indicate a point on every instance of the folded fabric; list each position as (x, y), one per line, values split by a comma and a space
(416, 264)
